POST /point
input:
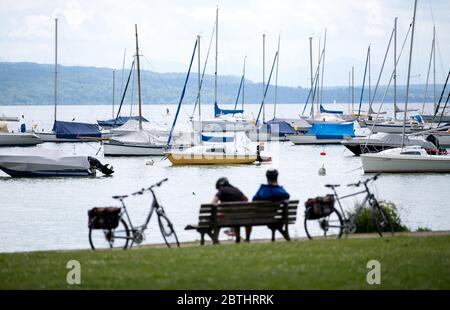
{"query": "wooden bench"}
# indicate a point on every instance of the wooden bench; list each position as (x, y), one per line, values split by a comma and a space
(274, 215)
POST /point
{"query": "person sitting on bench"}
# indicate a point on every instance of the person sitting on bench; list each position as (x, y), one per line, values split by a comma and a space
(271, 191)
(229, 193)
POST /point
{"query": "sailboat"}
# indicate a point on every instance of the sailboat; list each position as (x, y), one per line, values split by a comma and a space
(225, 119)
(67, 131)
(406, 159)
(137, 143)
(210, 153)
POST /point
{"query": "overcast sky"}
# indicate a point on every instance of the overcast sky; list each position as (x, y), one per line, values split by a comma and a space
(96, 32)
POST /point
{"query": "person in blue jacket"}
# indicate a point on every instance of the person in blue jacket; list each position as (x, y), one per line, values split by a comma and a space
(271, 191)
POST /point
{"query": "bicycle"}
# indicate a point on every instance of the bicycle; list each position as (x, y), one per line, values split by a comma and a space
(125, 235)
(336, 223)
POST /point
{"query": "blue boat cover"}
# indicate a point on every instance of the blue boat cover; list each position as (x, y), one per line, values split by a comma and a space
(217, 139)
(218, 111)
(322, 110)
(116, 122)
(284, 128)
(74, 130)
(332, 131)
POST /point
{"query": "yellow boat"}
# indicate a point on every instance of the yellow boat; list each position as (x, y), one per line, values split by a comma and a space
(212, 154)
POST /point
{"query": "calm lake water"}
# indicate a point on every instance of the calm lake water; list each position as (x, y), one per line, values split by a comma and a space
(45, 214)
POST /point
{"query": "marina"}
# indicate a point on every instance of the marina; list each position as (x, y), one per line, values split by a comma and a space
(63, 203)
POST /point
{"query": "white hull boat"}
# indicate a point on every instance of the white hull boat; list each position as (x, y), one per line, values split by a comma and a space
(412, 159)
(394, 127)
(49, 165)
(302, 139)
(115, 148)
(19, 139)
(139, 143)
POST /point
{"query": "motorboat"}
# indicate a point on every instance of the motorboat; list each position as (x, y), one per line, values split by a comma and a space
(51, 165)
(382, 141)
(409, 159)
(17, 138)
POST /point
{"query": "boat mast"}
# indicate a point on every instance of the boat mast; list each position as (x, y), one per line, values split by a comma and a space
(395, 68)
(217, 47)
(369, 75)
(243, 83)
(56, 67)
(428, 77)
(409, 72)
(311, 73)
(264, 77)
(113, 90)
(276, 80)
(434, 67)
(317, 85)
(199, 89)
(353, 89)
(139, 79)
(323, 66)
(349, 91)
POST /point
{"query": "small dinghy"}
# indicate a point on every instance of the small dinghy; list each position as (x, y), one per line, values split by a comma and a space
(50, 166)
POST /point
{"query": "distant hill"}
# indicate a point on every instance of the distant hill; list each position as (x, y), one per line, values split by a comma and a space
(31, 83)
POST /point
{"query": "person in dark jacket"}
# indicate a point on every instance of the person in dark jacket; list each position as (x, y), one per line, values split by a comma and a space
(228, 193)
(271, 191)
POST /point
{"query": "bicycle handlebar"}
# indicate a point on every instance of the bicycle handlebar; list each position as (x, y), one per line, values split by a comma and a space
(158, 184)
(374, 178)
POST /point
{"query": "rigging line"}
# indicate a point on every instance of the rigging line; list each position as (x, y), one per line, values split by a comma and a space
(438, 49)
(311, 91)
(387, 87)
(157, 74)
(428, 75)
(445, 106)
(382, 68)
(364, 82)
(204, 69)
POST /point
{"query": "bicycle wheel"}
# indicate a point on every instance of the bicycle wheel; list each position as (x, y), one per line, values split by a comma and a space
(117, 238)
(327, 227)
(382, 220)
(167, 231)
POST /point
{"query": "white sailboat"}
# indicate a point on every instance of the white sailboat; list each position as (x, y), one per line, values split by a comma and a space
(140, 142)
(67, 131)
(224, 153)
(409, 159)
(225, 120)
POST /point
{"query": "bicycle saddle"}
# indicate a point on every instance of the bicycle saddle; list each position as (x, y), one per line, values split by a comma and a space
(120, 197)
(332, 185)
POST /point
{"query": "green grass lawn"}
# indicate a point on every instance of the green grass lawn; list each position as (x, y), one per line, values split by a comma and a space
(406, 263)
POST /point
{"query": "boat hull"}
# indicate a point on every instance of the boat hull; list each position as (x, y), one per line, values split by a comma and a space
(19, 139)
(311, 139)
(51, 137)
(36, 166)
(122, 149)
(392, 128)
(204, 159)
(373, 163)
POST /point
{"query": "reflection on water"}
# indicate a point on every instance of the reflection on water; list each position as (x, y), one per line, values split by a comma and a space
(51, 213)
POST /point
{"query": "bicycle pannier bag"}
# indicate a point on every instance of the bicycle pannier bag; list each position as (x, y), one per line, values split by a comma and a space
(316, 208)
(104, 218)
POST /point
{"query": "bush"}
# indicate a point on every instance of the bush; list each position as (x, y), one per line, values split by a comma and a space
(365, 224)
(423, 229)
